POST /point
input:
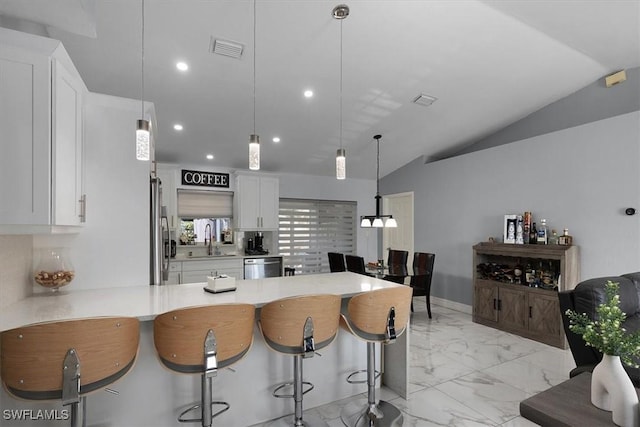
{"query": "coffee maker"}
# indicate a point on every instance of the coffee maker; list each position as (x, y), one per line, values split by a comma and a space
(258, 239)
(255, 245)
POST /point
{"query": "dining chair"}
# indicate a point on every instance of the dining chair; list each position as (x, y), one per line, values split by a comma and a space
(397, 257)
(422, 275)
(355, 264)
(336, 262)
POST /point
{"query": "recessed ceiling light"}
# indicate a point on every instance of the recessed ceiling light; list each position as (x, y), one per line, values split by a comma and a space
(182, 66)
(308, 93)
(210, 156)
(276, 139)
(178, 126)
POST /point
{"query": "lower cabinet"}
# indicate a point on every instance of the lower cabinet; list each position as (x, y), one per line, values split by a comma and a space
(173, 279)
(196, 271)
(530, 312)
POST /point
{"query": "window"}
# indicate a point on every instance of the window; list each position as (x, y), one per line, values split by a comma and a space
(194, 230)
(311, 228)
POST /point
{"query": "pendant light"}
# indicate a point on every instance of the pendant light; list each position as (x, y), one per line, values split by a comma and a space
(340, 12)
(142, 130)
(254, 139)
(378, 220)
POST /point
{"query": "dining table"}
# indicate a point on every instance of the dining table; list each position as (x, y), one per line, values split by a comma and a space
(395, 272)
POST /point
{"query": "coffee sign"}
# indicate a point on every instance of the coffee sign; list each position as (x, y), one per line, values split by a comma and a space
(205, 179)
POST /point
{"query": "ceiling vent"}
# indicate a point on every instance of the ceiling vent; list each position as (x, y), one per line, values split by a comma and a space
(424, 100)
(226, 48)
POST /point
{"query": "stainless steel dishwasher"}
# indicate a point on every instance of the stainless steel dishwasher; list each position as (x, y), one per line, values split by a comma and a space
(258, 268)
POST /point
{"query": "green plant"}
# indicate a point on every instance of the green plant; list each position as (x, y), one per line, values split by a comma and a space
(607, 334)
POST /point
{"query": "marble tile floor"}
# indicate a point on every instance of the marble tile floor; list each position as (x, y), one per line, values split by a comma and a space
(466, 374)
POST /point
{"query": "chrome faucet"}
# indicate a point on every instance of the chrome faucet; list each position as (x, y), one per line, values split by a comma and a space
(209, 247)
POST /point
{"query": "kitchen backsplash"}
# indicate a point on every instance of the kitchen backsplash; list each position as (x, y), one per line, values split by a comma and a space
(16, 255)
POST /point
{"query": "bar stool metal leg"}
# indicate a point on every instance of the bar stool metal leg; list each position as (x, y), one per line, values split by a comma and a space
(297, 389)
(378, 414)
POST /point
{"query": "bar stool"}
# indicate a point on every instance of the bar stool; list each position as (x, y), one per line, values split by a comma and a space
(68, 359)
(289, 271)
(377, 316)
(199, 340)
(298, 327)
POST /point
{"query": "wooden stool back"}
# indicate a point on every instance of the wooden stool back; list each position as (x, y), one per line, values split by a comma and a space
(282, 321)
(367, 312)
(179, 335)
(33, 355)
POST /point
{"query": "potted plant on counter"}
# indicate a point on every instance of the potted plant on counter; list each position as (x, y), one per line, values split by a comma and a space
(611, 387)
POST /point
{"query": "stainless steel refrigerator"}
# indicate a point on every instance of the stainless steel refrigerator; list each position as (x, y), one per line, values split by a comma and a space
(160, 249)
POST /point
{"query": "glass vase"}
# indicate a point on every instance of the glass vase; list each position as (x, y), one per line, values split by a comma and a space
(53, 268)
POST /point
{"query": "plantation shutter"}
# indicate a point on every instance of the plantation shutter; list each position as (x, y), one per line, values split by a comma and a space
(311, 228)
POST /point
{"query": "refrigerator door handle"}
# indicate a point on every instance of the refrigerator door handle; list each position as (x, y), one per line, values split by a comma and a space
(166, 248)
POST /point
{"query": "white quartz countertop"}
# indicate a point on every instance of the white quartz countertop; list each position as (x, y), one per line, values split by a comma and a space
(145, 302)
(220, 257)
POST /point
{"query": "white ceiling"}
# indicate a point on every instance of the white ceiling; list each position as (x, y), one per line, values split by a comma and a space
(489, 63)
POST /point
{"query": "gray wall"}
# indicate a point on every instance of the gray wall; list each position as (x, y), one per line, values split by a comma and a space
(589, 104)
(581, 178)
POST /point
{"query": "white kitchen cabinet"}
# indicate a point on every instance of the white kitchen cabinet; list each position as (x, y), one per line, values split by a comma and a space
(174, 279)
(256, 202)
(195, 271)
(41, 113)
(175, 273)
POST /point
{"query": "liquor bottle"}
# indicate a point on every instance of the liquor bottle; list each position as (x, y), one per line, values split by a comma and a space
(565, 239)
(518, 273)
(519, 230)
(533, 234)
(540, 273)
(553, 239)
(542, 232)
(528, 275)
(527, 226)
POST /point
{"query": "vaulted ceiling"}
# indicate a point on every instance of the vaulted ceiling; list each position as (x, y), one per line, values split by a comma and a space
(488, 63)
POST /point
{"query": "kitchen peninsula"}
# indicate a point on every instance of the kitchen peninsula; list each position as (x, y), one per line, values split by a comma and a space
(149, 385)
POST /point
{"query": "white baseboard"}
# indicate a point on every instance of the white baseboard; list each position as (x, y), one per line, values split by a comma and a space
(457, 306)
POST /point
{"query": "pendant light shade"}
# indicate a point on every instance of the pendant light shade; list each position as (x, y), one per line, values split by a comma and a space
(254, 139)
(340, 12)
(377, 223)
(143, 137)
(378, 220)
(254, 152)
(391, 222)
(341, 164)
(143, 140)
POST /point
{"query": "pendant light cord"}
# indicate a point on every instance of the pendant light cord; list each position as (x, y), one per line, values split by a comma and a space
(378, 169)
(341, 83)
(254, 67)
(142, 65)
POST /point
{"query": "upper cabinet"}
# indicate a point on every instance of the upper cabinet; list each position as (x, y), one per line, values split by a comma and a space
(256, 202)
(41, 135)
